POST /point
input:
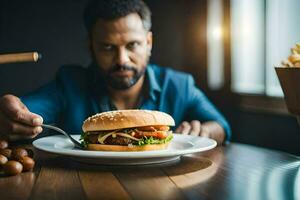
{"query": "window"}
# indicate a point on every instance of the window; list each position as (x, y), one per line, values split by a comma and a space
(215, 45)
(262, 33)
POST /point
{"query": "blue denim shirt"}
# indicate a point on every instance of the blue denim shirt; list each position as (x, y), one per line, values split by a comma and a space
(78, 92)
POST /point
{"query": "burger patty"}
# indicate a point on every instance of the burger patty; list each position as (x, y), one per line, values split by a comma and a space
(118, 141)
(93, 139)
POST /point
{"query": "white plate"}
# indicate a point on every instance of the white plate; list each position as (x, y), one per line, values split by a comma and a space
(180, 145)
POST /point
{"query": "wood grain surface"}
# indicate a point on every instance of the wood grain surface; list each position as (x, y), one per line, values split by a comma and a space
(236, 171)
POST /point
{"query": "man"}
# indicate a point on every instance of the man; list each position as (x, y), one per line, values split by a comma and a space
(120, 77)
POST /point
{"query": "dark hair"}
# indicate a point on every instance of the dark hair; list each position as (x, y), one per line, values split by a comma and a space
(112, 9)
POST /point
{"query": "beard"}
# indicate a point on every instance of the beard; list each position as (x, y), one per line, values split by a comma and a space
(122, 82)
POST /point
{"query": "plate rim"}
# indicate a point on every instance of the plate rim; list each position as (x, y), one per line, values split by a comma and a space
(123, 155)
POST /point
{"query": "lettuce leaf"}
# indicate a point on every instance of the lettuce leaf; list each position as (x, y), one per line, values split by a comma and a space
(152, 140)
(83, 140)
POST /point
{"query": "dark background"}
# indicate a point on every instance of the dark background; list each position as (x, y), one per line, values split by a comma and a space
(55, 29)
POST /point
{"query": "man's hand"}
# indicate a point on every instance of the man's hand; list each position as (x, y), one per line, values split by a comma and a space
(16, 121)
(209, 129)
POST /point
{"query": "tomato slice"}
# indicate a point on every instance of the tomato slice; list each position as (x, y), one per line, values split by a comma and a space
(154, 128)
(162, 128)
(162, 134)
(146, 128)
(154, 134)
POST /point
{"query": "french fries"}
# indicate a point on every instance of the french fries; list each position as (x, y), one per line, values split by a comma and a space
(294, 59)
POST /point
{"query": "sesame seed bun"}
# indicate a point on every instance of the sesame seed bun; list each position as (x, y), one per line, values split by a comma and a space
(121, 119)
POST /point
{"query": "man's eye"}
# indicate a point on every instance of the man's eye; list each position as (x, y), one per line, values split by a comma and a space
(132, 45)
(107, 47)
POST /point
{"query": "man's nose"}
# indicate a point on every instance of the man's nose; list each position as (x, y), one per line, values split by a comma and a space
(122, 57)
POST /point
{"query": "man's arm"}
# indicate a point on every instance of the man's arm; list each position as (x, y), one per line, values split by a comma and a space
(202, 117)
(16, 121)
(21, 118)
(47, 101)
(209, 129)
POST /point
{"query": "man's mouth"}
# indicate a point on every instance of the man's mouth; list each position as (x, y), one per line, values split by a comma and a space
(123, 73)
(122, 77)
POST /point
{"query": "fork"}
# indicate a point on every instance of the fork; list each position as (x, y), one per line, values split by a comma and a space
(75, 142)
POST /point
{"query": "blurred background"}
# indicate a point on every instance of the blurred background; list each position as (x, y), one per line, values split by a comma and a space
(230, 47)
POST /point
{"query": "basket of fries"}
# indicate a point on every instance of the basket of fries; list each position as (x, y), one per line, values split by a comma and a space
(289, 77)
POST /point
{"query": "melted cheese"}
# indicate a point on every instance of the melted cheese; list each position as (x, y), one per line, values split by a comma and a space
(101, 139)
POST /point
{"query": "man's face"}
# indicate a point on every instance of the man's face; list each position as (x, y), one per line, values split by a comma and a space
(121, 48)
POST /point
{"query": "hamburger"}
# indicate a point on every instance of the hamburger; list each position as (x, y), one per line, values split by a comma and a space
(127, 130)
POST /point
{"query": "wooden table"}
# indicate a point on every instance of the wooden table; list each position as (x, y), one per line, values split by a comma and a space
(236, 171)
